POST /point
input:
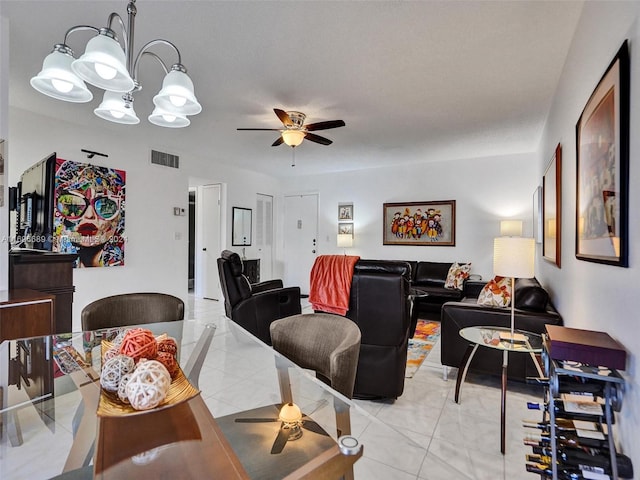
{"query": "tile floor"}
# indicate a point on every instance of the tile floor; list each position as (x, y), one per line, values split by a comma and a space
(462, 441)
(456, 442)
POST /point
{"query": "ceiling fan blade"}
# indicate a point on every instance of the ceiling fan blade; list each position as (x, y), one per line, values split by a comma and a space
(261, 129)
(281, 440)
(284, 117)
(312, 137)
(256, 420)
(324, 125)
(279, 141)
(312, 426)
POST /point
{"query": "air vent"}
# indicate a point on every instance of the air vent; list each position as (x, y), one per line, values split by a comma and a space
(165, 159)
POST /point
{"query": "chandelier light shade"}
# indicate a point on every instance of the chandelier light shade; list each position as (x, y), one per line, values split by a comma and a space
(103, 64)
(108, 65)
(57, 80)
(177, 94)
(162, 118)
(292, 137)
(116, 109)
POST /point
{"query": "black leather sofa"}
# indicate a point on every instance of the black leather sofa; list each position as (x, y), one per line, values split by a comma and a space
(429, 278)
(254, 306)
(379, 305)
(533, 310)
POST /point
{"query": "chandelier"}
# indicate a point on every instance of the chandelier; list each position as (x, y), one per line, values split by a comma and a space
(112, 67)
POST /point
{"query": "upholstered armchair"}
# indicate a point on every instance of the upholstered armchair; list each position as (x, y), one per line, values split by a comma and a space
(254, 306)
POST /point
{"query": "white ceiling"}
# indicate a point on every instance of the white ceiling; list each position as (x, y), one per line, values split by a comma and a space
(414, 81)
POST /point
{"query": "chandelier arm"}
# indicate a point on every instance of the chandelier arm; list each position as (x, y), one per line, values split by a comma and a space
(125, 35)
(146, 47)
(157, 57)
(79, 28)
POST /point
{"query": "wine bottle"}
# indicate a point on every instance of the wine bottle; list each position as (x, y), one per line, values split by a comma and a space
(560, 412)
(577, 385)
(598, 463)
(546, 472)
(566, 439)
(562, 424)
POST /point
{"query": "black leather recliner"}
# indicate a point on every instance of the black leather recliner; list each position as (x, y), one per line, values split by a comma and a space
(254, 306)
(379, 304)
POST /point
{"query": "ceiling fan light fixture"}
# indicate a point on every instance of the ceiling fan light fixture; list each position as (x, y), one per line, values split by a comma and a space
(57, 80)
(117, 108)
(293, 138)
(177, 93)
(103, 64)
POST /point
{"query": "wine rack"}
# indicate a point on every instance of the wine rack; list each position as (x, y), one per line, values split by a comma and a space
(569, 377)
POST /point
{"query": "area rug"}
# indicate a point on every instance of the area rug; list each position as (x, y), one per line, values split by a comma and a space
(426, 336)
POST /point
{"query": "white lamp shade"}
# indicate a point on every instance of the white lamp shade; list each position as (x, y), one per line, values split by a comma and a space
(293, 138)
(57, 80)
(114, 109)
(167, 119)
(514, 257)
(103, 64)
(345, 240)
(511, 228)
(177, 95)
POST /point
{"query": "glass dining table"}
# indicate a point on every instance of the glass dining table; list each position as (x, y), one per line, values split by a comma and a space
(57, 422)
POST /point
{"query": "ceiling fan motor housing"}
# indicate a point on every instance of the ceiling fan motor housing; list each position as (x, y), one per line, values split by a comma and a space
(297, 119)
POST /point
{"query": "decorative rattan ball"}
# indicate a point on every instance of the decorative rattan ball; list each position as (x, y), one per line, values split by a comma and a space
(168, 345)
(109, 354)
(122, 388)
(169, 361)
(139, 343)
(148, 385)
(113, 370)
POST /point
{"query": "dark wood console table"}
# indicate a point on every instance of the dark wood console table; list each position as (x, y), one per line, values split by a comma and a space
(251, 269)
(47, 272)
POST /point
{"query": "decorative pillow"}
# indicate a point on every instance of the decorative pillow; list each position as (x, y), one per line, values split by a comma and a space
(457, 274)
(496, 293)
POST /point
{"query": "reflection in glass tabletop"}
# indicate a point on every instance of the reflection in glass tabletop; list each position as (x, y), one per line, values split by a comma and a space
(50, 392)
(500, 338)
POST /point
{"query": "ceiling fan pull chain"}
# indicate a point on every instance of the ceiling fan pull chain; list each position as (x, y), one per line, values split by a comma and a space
(293, 156)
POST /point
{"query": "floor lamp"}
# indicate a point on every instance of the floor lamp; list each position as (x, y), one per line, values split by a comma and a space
(513, 257)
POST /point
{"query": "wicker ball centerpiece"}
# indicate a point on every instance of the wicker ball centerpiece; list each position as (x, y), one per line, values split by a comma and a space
(113, 370)
(148, 385)
(170, 363)
(139, 343)
(168, 345)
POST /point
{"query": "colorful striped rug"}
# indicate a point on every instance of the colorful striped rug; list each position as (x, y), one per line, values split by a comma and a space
(426, 336)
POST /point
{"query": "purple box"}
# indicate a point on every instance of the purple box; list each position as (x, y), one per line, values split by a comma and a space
(585, 346)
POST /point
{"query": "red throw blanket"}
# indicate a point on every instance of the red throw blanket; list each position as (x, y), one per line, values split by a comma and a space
(331, 277)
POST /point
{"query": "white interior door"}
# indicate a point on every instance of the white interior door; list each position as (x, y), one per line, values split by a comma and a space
(210, 241)
(300, 239)
(264, 235)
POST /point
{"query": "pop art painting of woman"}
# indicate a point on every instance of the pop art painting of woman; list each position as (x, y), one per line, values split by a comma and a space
(89, 213)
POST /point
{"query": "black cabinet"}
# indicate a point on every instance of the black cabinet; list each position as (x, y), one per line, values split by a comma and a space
(251, 269)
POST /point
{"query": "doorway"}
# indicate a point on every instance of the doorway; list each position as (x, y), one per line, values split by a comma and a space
(264, 234)
(300, 239)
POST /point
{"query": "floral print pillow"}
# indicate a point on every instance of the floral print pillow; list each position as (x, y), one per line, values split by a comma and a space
(457, 275)
(496, 293)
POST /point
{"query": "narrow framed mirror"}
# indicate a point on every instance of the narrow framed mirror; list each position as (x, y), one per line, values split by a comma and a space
(241, 226)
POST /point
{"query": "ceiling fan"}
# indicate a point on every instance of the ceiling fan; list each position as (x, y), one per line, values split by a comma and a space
(292, 421)
(295, 131)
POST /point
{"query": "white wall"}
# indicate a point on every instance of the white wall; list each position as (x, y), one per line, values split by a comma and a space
(154, 259)
(486, 190)
(4, 133)
(590, 295)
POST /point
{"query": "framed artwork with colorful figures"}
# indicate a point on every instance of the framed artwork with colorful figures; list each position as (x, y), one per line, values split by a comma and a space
(420, 223)
(89, 213)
